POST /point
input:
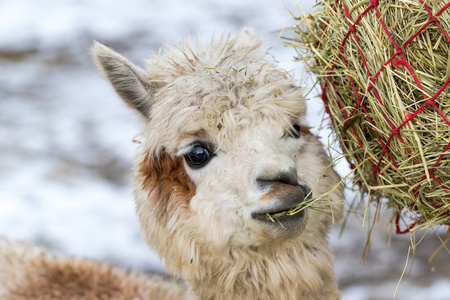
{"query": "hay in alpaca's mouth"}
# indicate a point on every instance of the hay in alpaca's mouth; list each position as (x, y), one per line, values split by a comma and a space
(282, 213)
(279, 214)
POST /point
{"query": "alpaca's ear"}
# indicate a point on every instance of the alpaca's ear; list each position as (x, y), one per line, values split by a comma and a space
(127, 79)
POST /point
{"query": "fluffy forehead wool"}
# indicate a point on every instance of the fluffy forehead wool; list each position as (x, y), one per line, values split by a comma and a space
(223, 86)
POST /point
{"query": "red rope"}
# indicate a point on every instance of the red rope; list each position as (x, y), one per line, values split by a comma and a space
(398, 59)
(397, 224)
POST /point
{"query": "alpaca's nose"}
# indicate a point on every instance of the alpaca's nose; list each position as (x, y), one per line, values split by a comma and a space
(268, 180)
(285, 182)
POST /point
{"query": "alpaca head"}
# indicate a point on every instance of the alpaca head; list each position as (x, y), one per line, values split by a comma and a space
(223, 145)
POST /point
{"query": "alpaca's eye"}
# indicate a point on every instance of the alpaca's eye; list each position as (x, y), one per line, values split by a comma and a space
(294, 132)
(198, 157)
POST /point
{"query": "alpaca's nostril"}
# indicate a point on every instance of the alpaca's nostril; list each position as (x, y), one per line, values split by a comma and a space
(267, 180)
(306, 189)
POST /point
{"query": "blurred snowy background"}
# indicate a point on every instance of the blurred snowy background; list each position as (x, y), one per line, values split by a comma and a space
(65, 137)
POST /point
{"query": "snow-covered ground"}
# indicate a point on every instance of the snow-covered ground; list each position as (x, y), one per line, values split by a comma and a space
(65, 137)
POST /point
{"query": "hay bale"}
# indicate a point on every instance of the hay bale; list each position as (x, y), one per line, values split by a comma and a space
(384, 70)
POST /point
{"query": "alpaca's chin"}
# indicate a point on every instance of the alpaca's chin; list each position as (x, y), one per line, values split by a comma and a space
(285, 227)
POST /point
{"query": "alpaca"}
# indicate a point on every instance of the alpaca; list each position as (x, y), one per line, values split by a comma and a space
(223, 145)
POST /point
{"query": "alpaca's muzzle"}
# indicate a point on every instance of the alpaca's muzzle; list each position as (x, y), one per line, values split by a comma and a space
(284, 193)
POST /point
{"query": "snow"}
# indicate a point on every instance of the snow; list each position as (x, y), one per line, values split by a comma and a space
(66, 140)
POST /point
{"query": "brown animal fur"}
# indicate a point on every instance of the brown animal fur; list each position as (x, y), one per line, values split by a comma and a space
(28, 273)
(167, 182)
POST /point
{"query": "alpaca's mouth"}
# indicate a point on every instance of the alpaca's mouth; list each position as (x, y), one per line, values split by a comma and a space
(282, 213)
(284, 207)
(279, 214)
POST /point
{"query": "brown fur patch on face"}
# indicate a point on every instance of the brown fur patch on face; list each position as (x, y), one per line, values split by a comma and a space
(166, 180)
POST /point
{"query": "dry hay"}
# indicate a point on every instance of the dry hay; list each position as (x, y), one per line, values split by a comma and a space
(384, 69)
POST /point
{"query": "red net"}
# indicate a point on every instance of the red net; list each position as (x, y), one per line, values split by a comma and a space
(427, 97)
